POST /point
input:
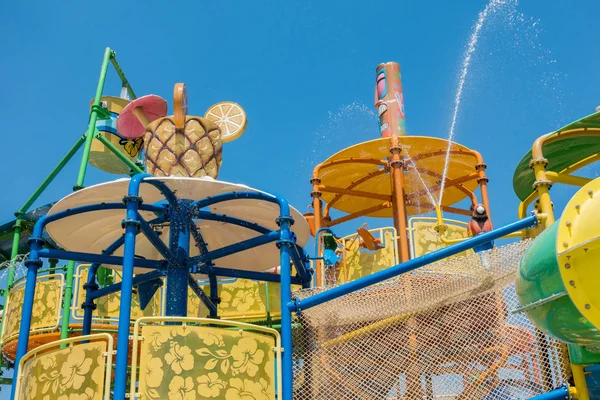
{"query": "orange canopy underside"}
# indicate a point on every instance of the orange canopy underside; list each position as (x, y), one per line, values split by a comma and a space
(424, 156)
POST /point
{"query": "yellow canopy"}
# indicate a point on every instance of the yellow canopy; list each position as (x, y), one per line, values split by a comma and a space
(359, 170)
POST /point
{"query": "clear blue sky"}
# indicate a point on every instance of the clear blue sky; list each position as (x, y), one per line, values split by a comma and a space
(303, 71)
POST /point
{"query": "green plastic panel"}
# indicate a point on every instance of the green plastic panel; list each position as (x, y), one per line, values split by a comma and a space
(582, 356)
(538, 279)
(560, 154)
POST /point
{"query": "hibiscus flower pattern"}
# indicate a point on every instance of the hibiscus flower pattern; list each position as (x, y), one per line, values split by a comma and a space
(428, 240)
(73, 373)
(242, 298)
(190, 362)
(108, 307)
(46, 305)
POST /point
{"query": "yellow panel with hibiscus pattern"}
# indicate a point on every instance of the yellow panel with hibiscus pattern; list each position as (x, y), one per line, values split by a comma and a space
(107, 307)
(190, 362)
(76, 372)
(426, 239)
(46, 306)
(243, 299)
(357, 262)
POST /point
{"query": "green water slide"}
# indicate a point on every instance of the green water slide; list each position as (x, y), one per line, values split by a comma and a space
(561, 150)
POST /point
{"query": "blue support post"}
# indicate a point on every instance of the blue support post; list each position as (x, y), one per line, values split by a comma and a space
(177, 272)
(91, 286)
(214, 294)
(133, 202)
(409, 265)
(285, 244)
(33, 264)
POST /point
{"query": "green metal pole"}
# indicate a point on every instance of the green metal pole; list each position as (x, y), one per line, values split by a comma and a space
(51, 176)
(119, 154)
(89, 135)
(14, 252)
(124, 80)
(66, 317)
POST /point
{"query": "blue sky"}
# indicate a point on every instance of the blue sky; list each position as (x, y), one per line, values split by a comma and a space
(304, 71)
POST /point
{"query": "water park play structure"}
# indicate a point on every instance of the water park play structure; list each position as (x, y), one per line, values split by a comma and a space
(172, 284)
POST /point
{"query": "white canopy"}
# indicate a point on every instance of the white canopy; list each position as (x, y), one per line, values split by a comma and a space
(94, 231)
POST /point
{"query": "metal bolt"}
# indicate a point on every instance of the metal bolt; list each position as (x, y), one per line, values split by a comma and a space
(590, 193)
(567, 265)
(565, 244)
(577, 206)
(587, 306)
(572, 283)
(568, 224)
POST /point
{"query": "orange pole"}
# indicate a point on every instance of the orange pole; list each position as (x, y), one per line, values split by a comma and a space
(316, 200)
(397, 177)
(483, 181)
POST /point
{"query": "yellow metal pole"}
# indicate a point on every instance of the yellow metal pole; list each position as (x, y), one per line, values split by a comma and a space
(580, 383)
(567, 179)
(542, 184)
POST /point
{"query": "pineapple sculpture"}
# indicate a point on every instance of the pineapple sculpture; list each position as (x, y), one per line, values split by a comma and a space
(189, 146)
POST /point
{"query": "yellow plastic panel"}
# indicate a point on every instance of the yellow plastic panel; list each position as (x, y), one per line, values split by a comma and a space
(46, 306)
(425, 239)
(192, 361)
(578, 250)
(243, 299)
(79, 371)
(108, 306)
(433, 153)
(357, 262)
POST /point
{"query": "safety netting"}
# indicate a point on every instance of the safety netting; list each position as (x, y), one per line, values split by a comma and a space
(444, 331)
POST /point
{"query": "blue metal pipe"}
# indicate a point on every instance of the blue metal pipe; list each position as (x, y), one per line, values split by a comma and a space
(135, 182)
(98, 258)
(91, 286)
(33, 264)
(164, 189)
(177, 270)
(46, 219)
(282, 202)
(115, 287)
(561, 393)
(302, 269)
(214, 293)
(206, 215)
(410, 265)
(285, 243)
(234, 248)
(131, 226)
(198, 238)
(212, 307)
(155, 240)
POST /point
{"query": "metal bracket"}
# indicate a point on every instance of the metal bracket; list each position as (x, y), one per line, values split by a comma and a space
(136, 199)
(539, 302)
(537, 161)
